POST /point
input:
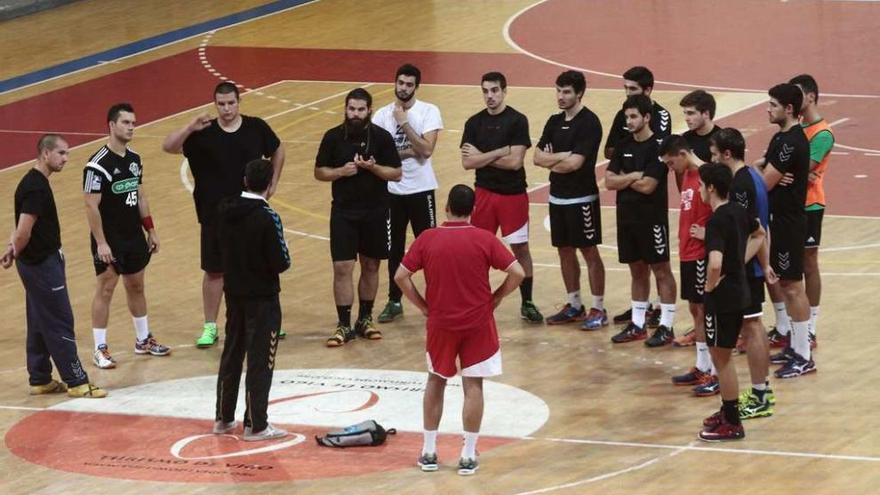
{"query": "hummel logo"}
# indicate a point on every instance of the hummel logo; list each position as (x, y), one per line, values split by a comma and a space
(784, 260)
(785, 154)
(710, 326)
(743, 199)
(659, 239)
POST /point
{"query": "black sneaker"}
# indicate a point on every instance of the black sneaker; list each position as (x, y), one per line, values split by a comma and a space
(661, 337)
(428, 463)
(782, 357)
(652, 317)
(796, 367)
(342, 335)
(630, 333)
(623, 318)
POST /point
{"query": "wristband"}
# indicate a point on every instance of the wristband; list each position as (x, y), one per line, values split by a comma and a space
(147, 221)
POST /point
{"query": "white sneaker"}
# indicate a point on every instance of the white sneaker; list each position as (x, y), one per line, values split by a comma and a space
(221, 428)
(267, 434)
(103, 359)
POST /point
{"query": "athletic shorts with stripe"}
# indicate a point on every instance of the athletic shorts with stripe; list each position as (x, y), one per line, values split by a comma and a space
(129, 257)
(510, 212)
(693, 280)
(722, 329)
(576, 225)
(477, 351)
(814, 228)
(787, 248)
(354, 232)
(648, 242)
(755, 309)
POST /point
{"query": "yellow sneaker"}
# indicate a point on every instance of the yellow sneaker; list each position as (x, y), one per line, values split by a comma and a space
(53, 387)
(87, 391)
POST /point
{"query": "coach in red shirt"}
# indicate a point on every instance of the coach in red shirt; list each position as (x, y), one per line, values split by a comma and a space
(456, 257)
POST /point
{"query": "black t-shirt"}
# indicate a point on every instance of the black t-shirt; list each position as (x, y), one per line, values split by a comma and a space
(728, 231)
(364, 190)
(34, 196)
(580, 135)
(700, 144)
(661, 124)
(633, 206)
(116, 178)
(489, 132)
(789, 151)
(743, 193)
(217, 159)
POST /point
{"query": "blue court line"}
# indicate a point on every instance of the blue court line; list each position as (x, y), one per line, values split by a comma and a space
(145, 44)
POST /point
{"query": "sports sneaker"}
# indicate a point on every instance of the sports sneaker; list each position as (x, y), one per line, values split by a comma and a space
(783, 356)
(595, 319)
(467, 467)
(692, 377)
(150, 346)
(722, 432)
(707, 386)
(365, 328)
(713, 420)
(342, 335)
(53, 387)
(529, 312)
(209, 336)
(428, 463)
(629, 333)
(268, 433)
(102, 358)
(568, 314)
(769, 395)
(686, 340)
(86, 391)
(776, 339)
(750, 406)
(282, 334)
(796, 367)
(652, 317)
(623, 318)
(662, 336)
(393, 310)
(221, 428)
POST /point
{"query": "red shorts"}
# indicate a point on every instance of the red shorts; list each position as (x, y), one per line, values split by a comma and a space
(508, 211)
(478, 352)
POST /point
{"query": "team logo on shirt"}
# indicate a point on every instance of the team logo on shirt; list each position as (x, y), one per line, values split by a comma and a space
(742, 199)
(687, 198)
(135, 169)
(116, 171)
(785, 153)
(125, 186)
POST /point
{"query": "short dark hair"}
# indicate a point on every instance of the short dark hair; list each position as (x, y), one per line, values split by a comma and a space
(49, 142)
(807, 83)
(409, 70)
(640, 102)
(461, 200)
(258, 175)
(118, 108)
(788, 94)
(673, 145)
(730, 139)
(641, 75)
(701, 100)
(717, 175)
(574, 79)
(495, 77)
(225, 88)
(359, 94)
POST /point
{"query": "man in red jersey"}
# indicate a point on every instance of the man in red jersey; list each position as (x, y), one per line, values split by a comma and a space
(456, 258)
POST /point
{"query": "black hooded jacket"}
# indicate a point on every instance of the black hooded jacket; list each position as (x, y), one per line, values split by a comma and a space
(252, 245)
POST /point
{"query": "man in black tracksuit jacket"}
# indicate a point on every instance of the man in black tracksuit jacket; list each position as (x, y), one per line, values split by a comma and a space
(254, 253)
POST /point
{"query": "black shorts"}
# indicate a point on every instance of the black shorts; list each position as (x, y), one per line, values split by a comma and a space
(693, 280)
(364, 232)
(648, 242)
(722, 329)
(130, 256)
(787, 248)
(212, 260)
(576, 225)
(756, 297)
(814, 228)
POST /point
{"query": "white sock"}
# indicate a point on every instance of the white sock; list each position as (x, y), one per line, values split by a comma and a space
(469, 449)
(800, 339)
(814, 315)
(783, 322)
(599, 302)
(429, 445)
(704, 360)
(760, 386)
(574, 298)
(141, 327)
(667, 314)
(100, 335)
(638, 313)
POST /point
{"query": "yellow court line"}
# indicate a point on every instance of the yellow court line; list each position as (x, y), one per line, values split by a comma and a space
(297, 209)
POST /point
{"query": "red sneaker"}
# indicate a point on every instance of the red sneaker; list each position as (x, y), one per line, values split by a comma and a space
(712, 421)
(776, 339)
(722, 432)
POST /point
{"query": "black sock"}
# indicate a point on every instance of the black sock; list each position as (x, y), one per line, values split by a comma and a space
(525, 289)
(344, 315)
(365, 309)
(731, 411)
(759, 393)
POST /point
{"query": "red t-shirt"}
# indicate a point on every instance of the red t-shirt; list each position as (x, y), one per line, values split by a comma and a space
(456, 257)
(693, 211)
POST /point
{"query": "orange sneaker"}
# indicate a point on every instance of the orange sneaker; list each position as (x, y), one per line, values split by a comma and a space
(688, 339)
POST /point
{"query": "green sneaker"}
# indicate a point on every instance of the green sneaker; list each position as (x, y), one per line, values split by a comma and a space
(530, 313)
(209, 336)
(393, 310)
(342, 335)
(282, 334)
(751, 407)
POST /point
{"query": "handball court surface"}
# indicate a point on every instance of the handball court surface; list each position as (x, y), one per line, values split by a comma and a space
(572, 413)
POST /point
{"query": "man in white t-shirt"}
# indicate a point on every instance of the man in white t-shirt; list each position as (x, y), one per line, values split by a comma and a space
(415, 126)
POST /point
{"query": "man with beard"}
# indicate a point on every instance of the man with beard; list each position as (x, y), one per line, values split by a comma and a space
(359, 158)
(118, 214)
(568, 148)
(218, 150)
(415, 126)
